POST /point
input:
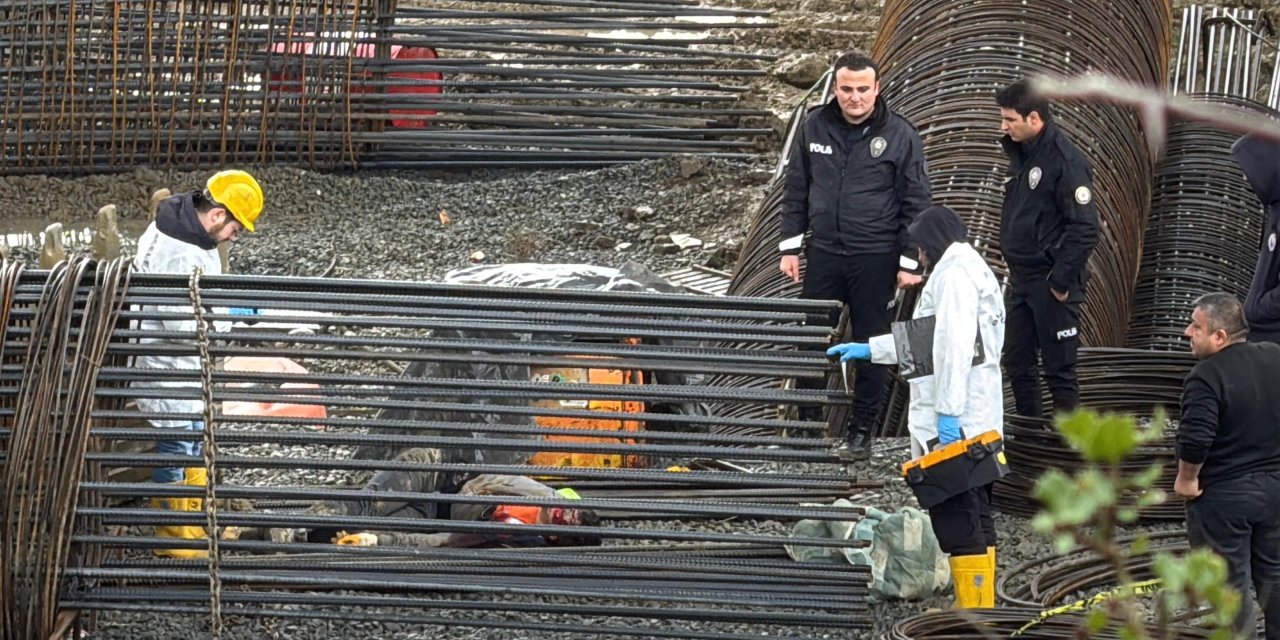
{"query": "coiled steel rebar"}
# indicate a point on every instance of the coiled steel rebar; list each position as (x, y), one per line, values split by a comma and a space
(942, 63)
(1126, 381)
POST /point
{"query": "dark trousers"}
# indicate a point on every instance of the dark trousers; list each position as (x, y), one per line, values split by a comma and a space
(865, 283)
(963, 523)
(1038, 325)
(1239, 519)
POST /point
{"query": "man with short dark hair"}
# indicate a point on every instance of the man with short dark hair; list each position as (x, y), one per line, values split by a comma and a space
(856, 178)
(1048, 228)
(1228, 448)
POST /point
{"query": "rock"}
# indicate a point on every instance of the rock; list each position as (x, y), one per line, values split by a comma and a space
(156, 197)
(690, 166)
(52, 251)
(476, 256)
(106, 237)
(638, 214)
(685, 241)
(623, 246)
(604, 242)
(802, 70)
(647, 235)
(666, 249)
(586, 225)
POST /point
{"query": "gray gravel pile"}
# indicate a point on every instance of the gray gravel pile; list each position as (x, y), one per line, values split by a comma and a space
(419, 226)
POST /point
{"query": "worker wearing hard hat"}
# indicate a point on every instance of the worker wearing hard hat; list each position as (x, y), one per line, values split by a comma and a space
(184, 236)
(958, 392)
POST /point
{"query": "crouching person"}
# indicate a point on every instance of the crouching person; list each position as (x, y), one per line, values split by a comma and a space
(962, 397)
(433, 482)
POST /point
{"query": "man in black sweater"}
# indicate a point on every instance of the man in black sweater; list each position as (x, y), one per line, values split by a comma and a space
(1229, 453)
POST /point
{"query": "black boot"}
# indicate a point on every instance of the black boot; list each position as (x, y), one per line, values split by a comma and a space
(858, 439)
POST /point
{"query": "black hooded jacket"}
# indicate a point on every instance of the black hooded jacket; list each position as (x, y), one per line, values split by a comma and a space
(1260, 160)
(176, 217)
(1049, 224)
(857, 187)
(935, 230)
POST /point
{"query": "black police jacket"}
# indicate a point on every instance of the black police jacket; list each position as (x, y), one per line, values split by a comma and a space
(1049, 224)
(1260, 160)
(858, 187)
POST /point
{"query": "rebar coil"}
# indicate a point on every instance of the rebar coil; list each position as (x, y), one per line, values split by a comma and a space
(1057, 579)
(942, 63)
(1111, 380)
(1204, 233)
(1004, 622)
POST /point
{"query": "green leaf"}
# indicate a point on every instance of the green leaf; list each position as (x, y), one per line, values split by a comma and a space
(1106, 438)
(1096, 620)
(1147, 477)
(1140, 545)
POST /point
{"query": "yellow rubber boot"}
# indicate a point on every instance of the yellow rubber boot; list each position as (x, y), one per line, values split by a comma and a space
(974, 578)
(195, 476)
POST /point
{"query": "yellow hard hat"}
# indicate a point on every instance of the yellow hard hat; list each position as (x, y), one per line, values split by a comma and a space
(239, 193)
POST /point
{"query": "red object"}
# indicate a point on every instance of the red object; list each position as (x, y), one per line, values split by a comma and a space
(284, 83)
(516, 514)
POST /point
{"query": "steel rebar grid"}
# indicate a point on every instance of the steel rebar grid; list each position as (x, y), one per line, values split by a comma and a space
(180, 83)
(722, 588)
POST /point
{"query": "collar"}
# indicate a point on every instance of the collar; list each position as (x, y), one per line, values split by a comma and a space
(176, 217)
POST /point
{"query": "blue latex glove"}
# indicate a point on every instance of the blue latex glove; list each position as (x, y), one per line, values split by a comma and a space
(949, 429)
(242, 311)
(851, 351)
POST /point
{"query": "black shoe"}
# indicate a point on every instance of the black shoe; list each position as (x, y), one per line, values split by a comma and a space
(853, 451)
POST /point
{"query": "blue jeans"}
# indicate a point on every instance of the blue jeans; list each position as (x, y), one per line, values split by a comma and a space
(178, 447)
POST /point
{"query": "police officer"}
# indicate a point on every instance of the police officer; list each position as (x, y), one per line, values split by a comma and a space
(857, 178)
(1048, 228)
(1260, 160)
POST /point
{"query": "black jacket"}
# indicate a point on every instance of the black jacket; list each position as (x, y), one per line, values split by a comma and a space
(1231, 413)
(858, 187)
(1049, 224)
(1260, 160)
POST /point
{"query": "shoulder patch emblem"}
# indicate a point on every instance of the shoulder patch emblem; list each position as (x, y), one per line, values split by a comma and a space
(1034, 177)
(1271, 242)
(1083, 196)
(878, 145)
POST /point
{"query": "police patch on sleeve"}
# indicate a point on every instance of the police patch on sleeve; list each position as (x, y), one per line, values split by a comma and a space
(1083, 196)
(1034, 177)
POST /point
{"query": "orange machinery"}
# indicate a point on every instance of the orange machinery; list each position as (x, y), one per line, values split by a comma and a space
(584, 375)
